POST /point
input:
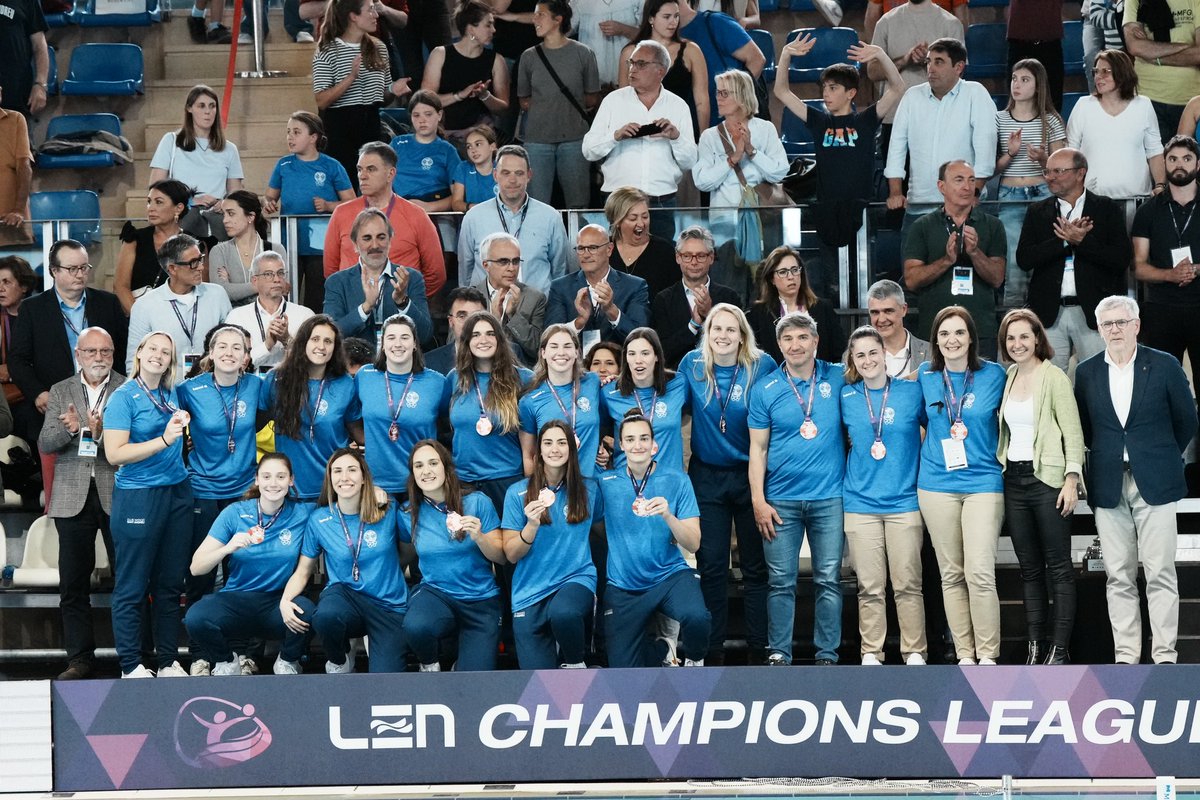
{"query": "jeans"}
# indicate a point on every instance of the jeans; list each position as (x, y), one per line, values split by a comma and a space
(1011, 211)
(1093, 43)
(822, 521)
(663, 224)
(565, 160)
(1168, 119)
(291, 19)
(1041, 537)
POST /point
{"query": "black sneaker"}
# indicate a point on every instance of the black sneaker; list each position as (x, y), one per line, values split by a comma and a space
(219, 35)
(198, 29)
(78, 670)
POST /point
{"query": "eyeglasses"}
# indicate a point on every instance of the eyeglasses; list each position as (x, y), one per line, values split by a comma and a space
(639, 64)
(195, 263)
(590, 249)
(82, 269)
(272, 275)
(1115, 324)
(92, 352)
(1056, 171)
(1101, 71)
(504, 262)
(724, 93)
(692, 258)
(789, 272)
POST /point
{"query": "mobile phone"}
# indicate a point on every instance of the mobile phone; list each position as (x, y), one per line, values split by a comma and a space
(649, 129)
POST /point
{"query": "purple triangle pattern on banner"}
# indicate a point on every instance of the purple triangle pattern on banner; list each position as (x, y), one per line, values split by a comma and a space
(117, 752)
(559, 688)
(960, 754)
(83, 699)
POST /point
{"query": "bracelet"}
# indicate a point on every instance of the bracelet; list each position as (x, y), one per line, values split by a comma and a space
(457, 99)
(521, 533)
(41, 84)
(164, 438)
(1158, 61)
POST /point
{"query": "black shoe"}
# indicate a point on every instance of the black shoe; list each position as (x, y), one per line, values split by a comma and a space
(1057, 655)
(219, 35)
(198, 29)
(78, 670)
(826, 662)
(1034, 653)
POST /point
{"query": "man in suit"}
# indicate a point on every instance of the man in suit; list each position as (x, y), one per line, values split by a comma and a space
(1076, 247)
(463, 302)
(83, 485)
(604, 304)
(886, 310)
(1138, 416)
(679, 311)
(361, 297)
(520, 308)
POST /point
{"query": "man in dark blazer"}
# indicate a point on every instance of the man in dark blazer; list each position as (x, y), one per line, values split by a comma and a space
(604, 304)
(83, 486)
(1085, 230)
(520, 308)
(1138, 416)
(679, 311)
(463, 301)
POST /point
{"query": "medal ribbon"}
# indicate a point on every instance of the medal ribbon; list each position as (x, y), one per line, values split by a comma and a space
(953, 402)
(877, 424)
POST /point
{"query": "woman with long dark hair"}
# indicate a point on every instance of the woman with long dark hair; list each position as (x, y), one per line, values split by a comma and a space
(784, 286)
(688, 75)
(657, 393)
(229, 262)
(138, 267)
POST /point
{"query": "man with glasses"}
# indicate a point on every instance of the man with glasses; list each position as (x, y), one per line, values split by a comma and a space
(271, 319)
(643, 134)
(536, 226)
(463, 302)
(678, 312)
(1138, 417)
(602, 303)
(1075, 251)
(82, 491)
(185, 307)
(520, 308)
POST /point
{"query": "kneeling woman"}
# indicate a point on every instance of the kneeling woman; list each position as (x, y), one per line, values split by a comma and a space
(366, 594)
(546, 533)
(648, 509)
(261, 537)
(457, 540)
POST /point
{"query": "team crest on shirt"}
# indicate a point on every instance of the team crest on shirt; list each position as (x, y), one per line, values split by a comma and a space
(241, 408)
(825, 389)
(427, 163)
(319, 178)
(370, 538)
(411, 399)
(660, 409)
(736, 394)
(968, 400)
(889, 416)
(323, 407)
(285, 536)
(584, 404)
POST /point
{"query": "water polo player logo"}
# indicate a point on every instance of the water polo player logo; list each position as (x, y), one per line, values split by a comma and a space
(212, 732)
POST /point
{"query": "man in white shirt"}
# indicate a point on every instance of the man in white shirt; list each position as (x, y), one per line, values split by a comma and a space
(271, 319)
(887, 309)
(644, 135)
(521, 309)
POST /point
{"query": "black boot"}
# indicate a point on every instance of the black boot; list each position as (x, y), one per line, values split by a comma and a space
(1035, 653)
(1057, 655)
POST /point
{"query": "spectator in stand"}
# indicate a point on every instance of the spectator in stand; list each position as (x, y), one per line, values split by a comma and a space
(1035, 31)
(746, 12)
(213, 31)
(606, 26)
(954, 255)
(474, 180)
(271, 320)
(784, 287)
(965, 116)
(415, 241)
(887, 309)
(1117, 131)
(16, 282)
(352, 79)
(24, 87)
(536, 225)
(1163, 38)
(602, 303)
(1189, 123)
(877, 9)
(470, 79)
(520, 308)
(299, 28)
(1076, 249)
(83, 487)
(428, 28)
(643, 134)
(558, 87)
(462, 302)
(247, 227)
(1101, 31)
(424, 160)
(138, 270)
(637, 250)
(688, 75)
(304, 182)
(16, 177)
(726, 45)
(678, 313)
(200, 156)
(1028, 131)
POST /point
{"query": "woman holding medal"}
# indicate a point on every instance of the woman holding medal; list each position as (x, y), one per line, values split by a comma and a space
(260, 536)
(883, 418)
(457, 537)
(400, 401)
(1041, 451)
(143, 438)
(655, 392)
(960, 487)
(365, 594)
(719, 374)
(547, 522)
(311, 398)
(561, 389)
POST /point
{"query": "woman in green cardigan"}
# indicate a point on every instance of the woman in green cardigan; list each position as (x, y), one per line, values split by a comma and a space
(1041, 451)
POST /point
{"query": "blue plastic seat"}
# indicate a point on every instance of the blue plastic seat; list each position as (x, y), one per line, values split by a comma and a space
(61, 20)
(1069, 101)
(81, 210)
(51, 73)
(396, 117)
(830, 48)
(105, 69)
(1001, 101)
(74, 123)
(796, 138)
(1072, 45)
(766, 43)
(88, 18)
(768, 5)
(987, 50)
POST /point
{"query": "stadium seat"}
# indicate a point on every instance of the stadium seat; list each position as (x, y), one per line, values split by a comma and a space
(396, 117)
(768, 5)
(797, 141)
(987, 50)
(1069, 100)
(75, 123)
(39, 563)
(831, 47)
(1001, 101)
(60, 20)
(79, 209)
(766, 43)
(88, 18)
(104, 69)
(1072, 46)
(52, 72)
(987, 3)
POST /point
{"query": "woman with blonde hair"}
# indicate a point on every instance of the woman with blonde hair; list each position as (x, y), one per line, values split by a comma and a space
(637, 250)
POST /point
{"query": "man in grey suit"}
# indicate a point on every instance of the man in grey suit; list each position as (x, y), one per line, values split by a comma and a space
(521, 309)
(83, 485)
(886, 310)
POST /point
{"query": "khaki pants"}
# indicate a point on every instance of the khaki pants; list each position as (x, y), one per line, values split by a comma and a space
(883, 545)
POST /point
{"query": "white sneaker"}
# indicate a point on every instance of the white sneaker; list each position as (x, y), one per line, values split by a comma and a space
(966, 662)
(693, 662)
(247, 665)
(434, 667)
(283, 667)
(340, 669)
(915, 660)
(245, 38)
(777, 660)
(172, 670)
(304, 37)
(200, 668)
(830, 10)
(580, 665)
(139, 671)
(870, 660)
(227, 669)
(987, 662)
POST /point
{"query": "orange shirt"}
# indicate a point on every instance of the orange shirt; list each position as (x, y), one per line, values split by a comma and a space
(14, 149)
(415, 242)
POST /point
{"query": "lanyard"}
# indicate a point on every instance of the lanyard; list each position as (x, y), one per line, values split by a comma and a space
(265, 524)
(189, 332)
(877, 423)
(639, 489)
(954, 404)
(258, 315)
(230, 413)
(725, 403)
(387, 384)
(812, 386)
(504, 222)
(355, 549)
(574, 401)
(312, 420)
(653, 403)
(1179, 232)
(161, 403)
(100, 399)
(482, 411)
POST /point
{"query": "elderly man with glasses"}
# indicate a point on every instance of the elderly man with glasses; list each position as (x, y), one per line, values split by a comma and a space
(678, 312)
(520, 308)
(602, 303)
(271, 319)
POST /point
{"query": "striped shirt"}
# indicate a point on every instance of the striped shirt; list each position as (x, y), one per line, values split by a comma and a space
(1021, 165)
(331, 66)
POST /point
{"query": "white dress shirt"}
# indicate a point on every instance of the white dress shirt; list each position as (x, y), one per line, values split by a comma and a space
(1120, 389)
(654, 164)
(257, 319)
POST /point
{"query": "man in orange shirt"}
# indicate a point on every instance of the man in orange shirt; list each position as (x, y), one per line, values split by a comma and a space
(415, 242)
(16, 177)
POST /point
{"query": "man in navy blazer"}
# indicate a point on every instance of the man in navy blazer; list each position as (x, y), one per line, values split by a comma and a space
(360, 298)
(1138, 416)
(604, 304)
(678, 312)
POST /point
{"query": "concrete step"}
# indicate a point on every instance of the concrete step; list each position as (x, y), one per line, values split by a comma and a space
(252, 99)
(248, 134)
(208, 63)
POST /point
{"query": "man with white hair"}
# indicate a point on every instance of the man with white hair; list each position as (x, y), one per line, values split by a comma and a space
(1138, 416)
(602, 303)
(520, 308)
(271, 319)
(886, 310)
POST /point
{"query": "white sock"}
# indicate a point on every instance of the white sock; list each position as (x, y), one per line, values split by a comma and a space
(434, 667)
